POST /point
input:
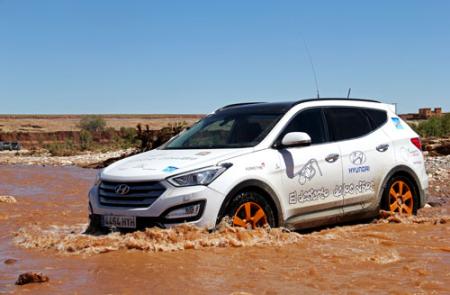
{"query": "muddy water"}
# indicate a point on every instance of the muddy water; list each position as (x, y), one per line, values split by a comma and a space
(42, 232)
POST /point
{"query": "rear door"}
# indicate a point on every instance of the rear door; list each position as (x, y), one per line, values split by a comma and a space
(367, 154)
(311, 173)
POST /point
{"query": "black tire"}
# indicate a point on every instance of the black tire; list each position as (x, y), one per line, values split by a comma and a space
(95, 227)
(256, 201)
(389, 201)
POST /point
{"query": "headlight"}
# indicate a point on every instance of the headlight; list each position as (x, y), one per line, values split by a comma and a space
(97, 178)
(199, 177)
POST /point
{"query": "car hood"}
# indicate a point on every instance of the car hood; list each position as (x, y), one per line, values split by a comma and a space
(160, 164)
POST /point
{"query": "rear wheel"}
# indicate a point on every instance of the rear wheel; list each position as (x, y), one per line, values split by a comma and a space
(400, 196)
(250, 210)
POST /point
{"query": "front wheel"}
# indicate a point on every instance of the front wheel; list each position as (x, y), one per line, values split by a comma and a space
(94, 227)
(400, 196)
(251, 210)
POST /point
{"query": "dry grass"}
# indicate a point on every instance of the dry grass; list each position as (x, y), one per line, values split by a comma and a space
(53, 123)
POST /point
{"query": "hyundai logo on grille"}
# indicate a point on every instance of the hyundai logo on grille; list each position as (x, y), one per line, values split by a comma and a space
(122, 189)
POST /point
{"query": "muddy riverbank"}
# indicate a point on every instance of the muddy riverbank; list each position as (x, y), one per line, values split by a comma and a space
(43, 158)
(42, 232)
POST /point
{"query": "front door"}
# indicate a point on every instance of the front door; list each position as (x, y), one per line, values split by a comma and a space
(311, 173)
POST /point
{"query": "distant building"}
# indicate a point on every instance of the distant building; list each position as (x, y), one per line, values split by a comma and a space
(423, 114)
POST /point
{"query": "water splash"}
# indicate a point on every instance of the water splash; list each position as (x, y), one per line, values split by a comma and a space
(7, 199)
(70, 239)
(388, 217)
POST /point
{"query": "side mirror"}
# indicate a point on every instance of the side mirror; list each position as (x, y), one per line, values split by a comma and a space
(296, 139)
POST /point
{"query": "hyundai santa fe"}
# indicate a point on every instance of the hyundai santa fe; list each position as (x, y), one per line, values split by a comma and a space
(293, 164)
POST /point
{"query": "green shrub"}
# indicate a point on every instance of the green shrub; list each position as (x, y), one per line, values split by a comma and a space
(111, 134)
(128, 136)
(66, 148)
(85, 139)
(92, 123)
(436, 126)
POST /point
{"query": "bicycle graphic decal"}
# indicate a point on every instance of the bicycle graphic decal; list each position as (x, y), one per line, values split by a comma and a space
(308, 171)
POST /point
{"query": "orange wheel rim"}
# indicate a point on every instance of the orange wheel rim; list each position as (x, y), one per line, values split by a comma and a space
(400, 198)
(250, 214)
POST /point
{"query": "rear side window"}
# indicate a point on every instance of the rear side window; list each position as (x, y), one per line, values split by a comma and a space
(309, 121)
(347, 122)
(377, 117)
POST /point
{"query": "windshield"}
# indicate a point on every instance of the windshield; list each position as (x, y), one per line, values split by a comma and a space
(225, 131)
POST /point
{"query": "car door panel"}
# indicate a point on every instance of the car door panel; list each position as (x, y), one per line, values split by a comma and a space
(363, 167)
(309, 180)
(309, 174)
(364, 154)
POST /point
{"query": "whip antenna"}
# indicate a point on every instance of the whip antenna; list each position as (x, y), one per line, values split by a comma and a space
(312, 67)
(348, 93)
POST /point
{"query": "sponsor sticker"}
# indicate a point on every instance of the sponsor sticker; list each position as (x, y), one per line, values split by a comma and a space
(311, 195)
(397, 123)
(257, 167)
(353, 188)
(358, 158)
(409, 154)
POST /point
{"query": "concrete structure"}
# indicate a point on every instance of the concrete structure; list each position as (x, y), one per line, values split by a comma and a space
(423, 114)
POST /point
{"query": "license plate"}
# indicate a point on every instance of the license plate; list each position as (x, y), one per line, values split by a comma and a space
(119, 221)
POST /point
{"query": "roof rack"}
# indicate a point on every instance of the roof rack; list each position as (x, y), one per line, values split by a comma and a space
(337, 98)
(238, 104)
(293, 103)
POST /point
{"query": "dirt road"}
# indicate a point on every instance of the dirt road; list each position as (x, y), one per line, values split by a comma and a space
(42, 232)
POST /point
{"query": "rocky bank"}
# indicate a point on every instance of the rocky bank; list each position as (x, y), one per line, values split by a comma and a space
(438, 169)
(85, 160)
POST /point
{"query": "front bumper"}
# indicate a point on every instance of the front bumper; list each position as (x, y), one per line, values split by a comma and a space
(172, 198)
(144, 222)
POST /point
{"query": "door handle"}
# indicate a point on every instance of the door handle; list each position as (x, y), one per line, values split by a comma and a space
(331, 158)
(382, 147)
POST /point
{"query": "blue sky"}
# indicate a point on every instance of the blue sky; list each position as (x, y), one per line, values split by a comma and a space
(195, 56)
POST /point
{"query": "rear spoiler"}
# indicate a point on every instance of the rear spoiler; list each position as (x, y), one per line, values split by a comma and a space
(391, 107)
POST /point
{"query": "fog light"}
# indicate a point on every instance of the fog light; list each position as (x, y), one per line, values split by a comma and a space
(184, 212)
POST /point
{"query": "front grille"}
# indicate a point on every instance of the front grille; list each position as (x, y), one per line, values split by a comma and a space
(140, 194)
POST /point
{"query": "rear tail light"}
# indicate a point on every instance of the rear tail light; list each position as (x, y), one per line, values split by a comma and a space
(416, 141)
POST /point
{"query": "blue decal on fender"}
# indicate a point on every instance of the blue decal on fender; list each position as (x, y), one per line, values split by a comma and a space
(170, 169)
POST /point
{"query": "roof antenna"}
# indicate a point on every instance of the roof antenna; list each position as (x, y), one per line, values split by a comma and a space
(312, 67)
(348, 93)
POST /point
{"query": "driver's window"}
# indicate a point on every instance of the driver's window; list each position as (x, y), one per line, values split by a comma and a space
(309, 121)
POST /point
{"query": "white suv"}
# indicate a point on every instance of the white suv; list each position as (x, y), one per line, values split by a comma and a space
(292, 164)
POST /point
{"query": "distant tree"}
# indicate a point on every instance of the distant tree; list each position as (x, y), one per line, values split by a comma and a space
(92, 124)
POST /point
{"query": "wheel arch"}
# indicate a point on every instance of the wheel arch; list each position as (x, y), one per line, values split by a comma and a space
(405, 171)
(259, 186)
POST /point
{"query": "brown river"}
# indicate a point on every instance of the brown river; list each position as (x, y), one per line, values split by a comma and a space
(43, 232)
